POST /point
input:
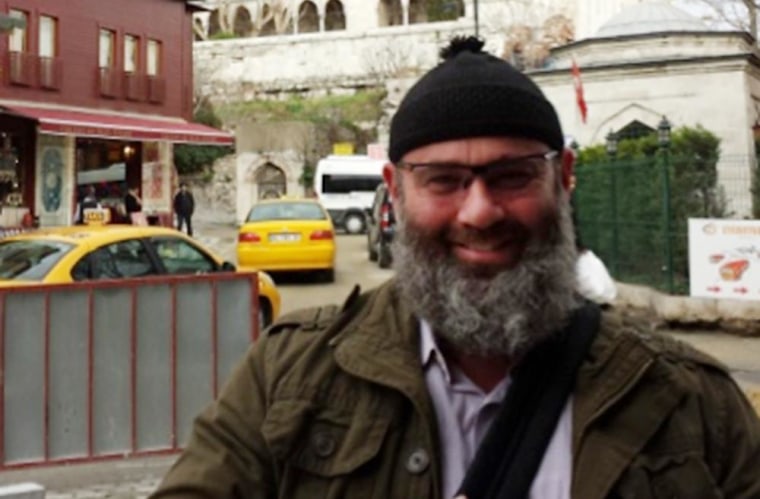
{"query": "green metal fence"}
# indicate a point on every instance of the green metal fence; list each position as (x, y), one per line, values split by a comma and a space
(634, 213)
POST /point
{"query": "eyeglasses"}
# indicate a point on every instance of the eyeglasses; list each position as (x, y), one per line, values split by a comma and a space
(502, 176)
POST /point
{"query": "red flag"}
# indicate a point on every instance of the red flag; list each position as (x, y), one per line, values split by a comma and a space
(578, 84)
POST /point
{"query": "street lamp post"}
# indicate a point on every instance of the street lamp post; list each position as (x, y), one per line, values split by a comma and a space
(663, 140)
(611, 146)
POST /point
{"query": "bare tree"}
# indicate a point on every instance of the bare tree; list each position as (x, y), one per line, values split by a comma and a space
(528, 46)
(738, 14)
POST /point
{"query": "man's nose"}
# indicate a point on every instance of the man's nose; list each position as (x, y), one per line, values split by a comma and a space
(479, 208)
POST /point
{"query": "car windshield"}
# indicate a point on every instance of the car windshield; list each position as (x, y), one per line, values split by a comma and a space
(286, 211)
(30, 260)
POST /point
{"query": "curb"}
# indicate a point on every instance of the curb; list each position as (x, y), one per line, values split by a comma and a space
(737, 317)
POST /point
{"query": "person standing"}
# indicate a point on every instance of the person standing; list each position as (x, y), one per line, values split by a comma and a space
(89, 201)
(132, 205)
(184, 204)
(477, 369)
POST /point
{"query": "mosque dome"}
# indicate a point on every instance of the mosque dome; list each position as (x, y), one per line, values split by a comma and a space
(649, 17)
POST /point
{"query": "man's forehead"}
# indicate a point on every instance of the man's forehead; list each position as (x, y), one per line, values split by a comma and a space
(474, 150)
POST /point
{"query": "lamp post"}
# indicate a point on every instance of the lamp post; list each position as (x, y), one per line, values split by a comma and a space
(475, 5)
(611, 145)
(663, 139)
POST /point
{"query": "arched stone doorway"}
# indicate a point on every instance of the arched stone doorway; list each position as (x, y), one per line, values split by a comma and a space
(243, 25)
(308, 18)
(335, 18)
(390, 13)
(270, 181)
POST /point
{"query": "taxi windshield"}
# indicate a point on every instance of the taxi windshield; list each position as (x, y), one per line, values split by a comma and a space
(30, 260)
(286, 211)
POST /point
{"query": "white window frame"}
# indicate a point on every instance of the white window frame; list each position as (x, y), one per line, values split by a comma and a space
(106, 48)
(48, 34)
(18, 39)
(131, 53)
(153, 62)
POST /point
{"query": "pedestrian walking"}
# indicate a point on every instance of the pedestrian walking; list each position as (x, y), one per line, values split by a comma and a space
(477, 370)
(184, 205)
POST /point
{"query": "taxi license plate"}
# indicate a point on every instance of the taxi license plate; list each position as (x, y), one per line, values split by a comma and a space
(285, 237)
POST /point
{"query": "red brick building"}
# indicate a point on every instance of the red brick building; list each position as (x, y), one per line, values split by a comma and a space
(93, 92)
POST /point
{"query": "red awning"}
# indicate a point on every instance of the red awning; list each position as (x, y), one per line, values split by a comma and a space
(124, 127)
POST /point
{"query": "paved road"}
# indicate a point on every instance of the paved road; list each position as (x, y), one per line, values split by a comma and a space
(134, 479)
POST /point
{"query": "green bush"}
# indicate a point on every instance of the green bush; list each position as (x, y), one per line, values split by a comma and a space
(192, 158)
(633, 209)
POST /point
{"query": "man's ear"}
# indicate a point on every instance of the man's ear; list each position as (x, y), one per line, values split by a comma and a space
(389, 175)
(568, 169)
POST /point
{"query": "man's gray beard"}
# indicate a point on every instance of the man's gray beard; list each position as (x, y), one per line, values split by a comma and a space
(502, 314)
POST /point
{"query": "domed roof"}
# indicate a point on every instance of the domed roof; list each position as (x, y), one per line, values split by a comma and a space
(650, 17)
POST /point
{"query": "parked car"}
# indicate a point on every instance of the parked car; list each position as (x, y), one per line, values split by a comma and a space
(381, 224)
(288, 235)
(86, 252)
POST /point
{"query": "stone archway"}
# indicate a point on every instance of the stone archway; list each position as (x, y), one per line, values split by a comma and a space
(242, 25)
(390, 13)
(335, 17)
(418, 11)
(270, 181)
(308, 17)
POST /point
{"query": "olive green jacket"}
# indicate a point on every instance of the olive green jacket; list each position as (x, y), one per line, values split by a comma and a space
(333, 404)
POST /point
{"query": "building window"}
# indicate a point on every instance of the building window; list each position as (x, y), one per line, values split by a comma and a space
(110, 83)
(156, 83)
(107, 47)
(18, 40)
(154, 58)
(49, 65)
(131, 53)
(48, 36)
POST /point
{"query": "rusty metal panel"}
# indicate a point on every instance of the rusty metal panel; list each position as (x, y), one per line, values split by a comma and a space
(68, 361)
(112, 375)
(234, 322)
(153, 414)
(195, 353)
(24, 377)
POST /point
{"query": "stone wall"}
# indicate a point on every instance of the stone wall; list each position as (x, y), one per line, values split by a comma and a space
(215, 196)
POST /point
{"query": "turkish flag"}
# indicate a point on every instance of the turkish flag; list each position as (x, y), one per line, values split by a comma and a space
(578, 84)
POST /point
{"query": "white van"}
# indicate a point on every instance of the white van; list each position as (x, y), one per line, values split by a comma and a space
(345, 185)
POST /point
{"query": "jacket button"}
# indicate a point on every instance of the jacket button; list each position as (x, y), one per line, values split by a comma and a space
(323, 444)
(417, 462)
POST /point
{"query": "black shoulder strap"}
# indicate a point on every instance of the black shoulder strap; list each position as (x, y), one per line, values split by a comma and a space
(511, 452)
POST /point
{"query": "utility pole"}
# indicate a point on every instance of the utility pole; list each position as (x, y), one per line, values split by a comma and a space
(476, 17)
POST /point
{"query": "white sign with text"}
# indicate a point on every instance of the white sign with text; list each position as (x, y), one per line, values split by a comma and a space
(724, 258)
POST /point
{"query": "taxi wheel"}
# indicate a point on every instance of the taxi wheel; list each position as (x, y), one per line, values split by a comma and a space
(327, 275)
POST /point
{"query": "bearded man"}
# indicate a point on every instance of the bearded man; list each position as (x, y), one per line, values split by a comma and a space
(477, 370)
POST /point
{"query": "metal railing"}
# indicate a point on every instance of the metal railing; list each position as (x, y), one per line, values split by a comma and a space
(634, 213)
(113, 369)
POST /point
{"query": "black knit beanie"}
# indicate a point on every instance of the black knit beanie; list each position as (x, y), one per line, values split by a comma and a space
(472, 94)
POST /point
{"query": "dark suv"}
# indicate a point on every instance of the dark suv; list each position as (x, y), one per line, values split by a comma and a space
(380, 227)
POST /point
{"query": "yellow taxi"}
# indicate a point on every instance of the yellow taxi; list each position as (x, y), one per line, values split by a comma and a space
(288, 234)
(87, 252)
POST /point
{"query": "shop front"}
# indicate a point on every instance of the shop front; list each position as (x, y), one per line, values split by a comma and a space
(50, 159)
